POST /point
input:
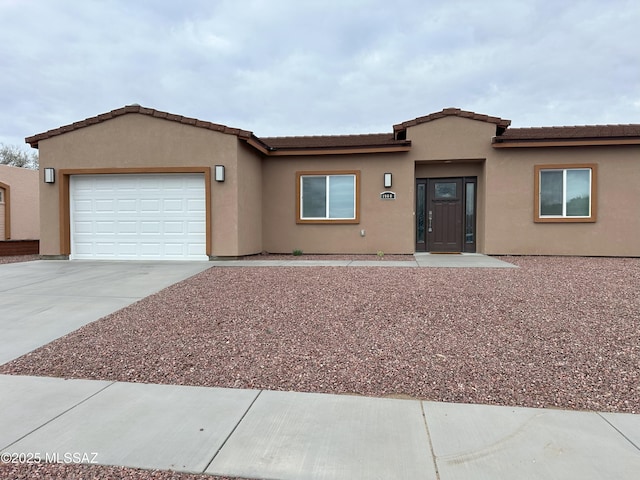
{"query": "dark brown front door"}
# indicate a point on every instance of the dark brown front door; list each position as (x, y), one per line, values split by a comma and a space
(445, 214)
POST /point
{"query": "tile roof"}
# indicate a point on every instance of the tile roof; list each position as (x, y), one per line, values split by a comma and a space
(395, 140)
(452, 112)
(33, 140)
(579, 132)
(334, 141)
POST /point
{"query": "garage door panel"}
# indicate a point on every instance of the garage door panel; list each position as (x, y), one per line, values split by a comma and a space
(144, 216)
(127, 205)
(151, 206)
(174, 249)
(127, 249)
(105, 227)
(195, 205)
(195, 227)
(173, 205)
(84, 248)
(177, 228)
(84, 227)
(147, 227)
(102, 206)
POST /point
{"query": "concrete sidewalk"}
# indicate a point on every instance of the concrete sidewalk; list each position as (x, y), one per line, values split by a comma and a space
(288, 435)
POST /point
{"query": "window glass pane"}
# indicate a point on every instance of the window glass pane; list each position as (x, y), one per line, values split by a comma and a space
(470, 212)
(551, 192)
(314, 197)
(578, 193)
(341, 196)
(445, 190)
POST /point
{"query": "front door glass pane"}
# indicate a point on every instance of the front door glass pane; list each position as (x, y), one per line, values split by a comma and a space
(420, 214)
(470, 212)
(445, 190)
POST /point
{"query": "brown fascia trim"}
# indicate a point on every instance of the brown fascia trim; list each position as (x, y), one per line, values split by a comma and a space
(259, 145)
(103, 117)
(7, 211)
(497, 142)
(340, 150)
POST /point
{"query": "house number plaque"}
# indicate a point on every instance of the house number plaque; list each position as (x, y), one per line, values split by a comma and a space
(388, 196)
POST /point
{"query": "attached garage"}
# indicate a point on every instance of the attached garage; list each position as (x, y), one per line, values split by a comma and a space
(150, 216)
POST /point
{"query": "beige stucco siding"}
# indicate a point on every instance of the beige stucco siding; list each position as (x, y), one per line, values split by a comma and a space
(387, 224)
(254, 209)
(510, 205)
(451, 138)
(20, 205)
(138, 142)
(249, 201)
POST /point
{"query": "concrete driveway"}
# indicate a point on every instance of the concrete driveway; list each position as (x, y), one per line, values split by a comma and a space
(46, 299)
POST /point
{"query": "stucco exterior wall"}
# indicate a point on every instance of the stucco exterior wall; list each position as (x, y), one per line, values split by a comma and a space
(510, 205)
(139, 142)
(451, 138)
(21, 203)
(254, 209)
(387, 224)
(249, 201)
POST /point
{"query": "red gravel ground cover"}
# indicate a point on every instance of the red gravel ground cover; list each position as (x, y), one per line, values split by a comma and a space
(94, 472)
(18, 258)
(557, 332)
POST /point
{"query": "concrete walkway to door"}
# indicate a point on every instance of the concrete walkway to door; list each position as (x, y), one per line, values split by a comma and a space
(46, 299)
(459, 260)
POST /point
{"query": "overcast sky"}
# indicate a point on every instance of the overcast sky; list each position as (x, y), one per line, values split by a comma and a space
(307, 67)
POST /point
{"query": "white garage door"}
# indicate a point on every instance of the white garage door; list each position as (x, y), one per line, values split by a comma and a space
(138, 217)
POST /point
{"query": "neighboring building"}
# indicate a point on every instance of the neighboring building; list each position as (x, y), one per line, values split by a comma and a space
(19, 210)
(140, 183)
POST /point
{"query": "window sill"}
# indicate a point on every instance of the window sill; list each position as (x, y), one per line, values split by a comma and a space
(329, 222)
(565, 220)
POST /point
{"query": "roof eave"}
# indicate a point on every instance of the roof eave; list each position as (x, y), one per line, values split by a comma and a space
(498, 142)
(283, 152)
(103, 117)
(452, 112)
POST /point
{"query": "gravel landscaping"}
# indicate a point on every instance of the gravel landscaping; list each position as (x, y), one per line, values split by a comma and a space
(18, 258)
(557, 332)
(50, 471)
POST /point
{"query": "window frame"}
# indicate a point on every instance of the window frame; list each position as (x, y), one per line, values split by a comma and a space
(327, 173)
(538, 218)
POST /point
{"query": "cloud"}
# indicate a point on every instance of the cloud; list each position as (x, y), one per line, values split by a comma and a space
(284, 67)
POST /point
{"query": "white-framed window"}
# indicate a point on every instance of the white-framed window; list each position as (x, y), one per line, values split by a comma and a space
(328, 197)
(1, 195)
(565, 193)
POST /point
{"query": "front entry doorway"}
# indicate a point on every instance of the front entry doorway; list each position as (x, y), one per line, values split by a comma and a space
(446, 214)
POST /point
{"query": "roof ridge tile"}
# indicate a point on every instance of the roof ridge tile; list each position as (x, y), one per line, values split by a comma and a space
(452, 111)
(102, 117)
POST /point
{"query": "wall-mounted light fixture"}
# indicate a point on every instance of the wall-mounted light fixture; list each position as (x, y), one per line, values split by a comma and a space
(387, 180)
(219, 173)
(49, 175)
